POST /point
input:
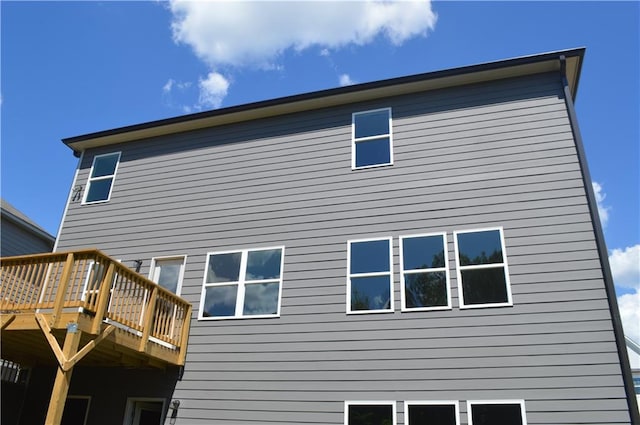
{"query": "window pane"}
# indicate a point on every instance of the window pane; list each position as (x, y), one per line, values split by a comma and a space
(262, 265)
(99, 190)
(425, 289)
(370, 293)
(261, 298)
(371, 124)
(370, 256)
(220, 301)
(169, 274)
(480, 247)
(432, 414)
(483, 286)
(423, 252)
(224, 267)
(370, 414)
(105, 165)
(496, 414)
(373, 152)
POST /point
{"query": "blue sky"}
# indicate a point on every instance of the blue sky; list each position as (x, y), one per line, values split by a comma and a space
(71, 68)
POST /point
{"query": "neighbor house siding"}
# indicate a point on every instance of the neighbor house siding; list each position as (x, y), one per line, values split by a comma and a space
(17, 240)
(489, 155)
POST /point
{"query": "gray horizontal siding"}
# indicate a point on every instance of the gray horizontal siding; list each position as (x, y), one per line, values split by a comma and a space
(471, 157)
(16, 240)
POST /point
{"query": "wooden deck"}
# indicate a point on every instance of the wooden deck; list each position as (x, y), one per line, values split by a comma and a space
(120, 317)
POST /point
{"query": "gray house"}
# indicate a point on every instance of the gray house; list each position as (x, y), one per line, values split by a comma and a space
(20, 235)
(420, 250)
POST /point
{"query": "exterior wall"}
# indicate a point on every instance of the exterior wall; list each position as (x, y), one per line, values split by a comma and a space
(17, 240)
(499, 154)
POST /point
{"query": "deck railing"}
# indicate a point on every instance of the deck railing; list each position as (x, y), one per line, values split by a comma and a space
(90, 282)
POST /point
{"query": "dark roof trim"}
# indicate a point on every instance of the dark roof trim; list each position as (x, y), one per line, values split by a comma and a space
(603, 253)
(525, 65)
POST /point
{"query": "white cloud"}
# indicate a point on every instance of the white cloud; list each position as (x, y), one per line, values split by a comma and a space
(345, 80)
(625, 267)
(240, 33)
(629, 306)
(213, 90)
(227, 34)
(603, 210)
(168, 86)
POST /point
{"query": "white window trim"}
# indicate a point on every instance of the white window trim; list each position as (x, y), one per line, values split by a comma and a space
(504, 265)
(470, 403)
(454, 403)
(92, 179)
(241, 284)
(445, 269)
(364, 139)
(389, 273)
(392, 403)
(154, 260)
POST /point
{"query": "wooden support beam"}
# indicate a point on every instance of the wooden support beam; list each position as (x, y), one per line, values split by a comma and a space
(68, 364)
(63, 378)
(6, 320)
(53, 342)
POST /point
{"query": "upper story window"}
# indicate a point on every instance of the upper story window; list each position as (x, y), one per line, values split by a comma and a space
(246, 283)
(424, 273)
(168, 272)
(483, 276)
(431, 412)
(101, 178)
(370, 283)
(496, 412)
(372, 143)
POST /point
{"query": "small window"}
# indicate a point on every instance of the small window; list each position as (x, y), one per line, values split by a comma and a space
(101, 178)
(372, 141)
(503, 412)
(483, 276)
(168, 273)
(424, 272)
(370, 283)
(431, 413)
(370, 413)
(245, 283)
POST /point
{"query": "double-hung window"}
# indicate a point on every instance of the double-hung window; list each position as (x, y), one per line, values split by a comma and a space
(370, 413)
(101, 178)
(496, 412)
(369, 283)
(372, 143)
(431, 412)
(424, 272)
(244, 283)
(483, 275)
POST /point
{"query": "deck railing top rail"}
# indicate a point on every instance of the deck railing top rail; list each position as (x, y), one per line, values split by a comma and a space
(90, 282)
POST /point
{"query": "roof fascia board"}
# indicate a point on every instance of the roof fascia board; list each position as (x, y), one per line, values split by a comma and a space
(527, 65)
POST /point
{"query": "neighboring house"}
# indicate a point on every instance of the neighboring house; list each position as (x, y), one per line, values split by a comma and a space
(633, 348)
(424, 249)
(19, 235)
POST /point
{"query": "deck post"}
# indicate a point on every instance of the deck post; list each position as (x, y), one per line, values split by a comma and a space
(62, 289)
(63, 378)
